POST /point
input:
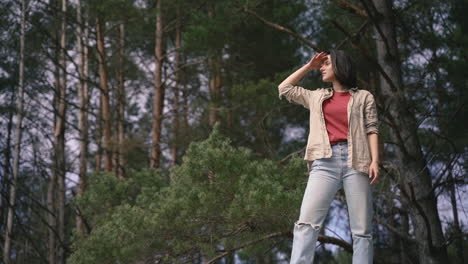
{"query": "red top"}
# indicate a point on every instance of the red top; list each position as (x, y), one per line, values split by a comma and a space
(335, 111)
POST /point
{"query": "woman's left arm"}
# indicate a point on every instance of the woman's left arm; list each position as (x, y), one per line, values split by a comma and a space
(373, 140)
(372, 131)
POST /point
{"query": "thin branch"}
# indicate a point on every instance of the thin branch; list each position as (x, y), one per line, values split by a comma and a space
(323, 239)
(283, 29)
(352, 7)
(375, 20)
(396, 231)
(456, 236)
(361, 28)
(292, 154)
(411, 197)
(367, 55)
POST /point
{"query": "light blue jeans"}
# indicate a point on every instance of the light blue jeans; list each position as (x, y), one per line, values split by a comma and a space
(326, 177)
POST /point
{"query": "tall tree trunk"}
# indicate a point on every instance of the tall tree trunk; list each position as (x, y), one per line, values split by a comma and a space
(104, 94)
(417, 180)
(185, 106)
(456, 220)
(51, 219)
(158, 100)
(84, 101)
(99, 138)
(404, 256)
(6, 166)
(52, 180)
(214, 65)
(115, 126)
(121, 105)
(177, 82)
(60, 139)
(18, 135)
(215, 89)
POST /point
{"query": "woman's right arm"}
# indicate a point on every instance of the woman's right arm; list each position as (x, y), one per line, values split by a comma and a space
(296, 76)
(298, 94)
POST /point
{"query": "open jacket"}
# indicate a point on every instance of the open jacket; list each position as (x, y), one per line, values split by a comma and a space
(362, 120)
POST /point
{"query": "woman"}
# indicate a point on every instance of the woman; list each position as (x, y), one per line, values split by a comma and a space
(342, 151)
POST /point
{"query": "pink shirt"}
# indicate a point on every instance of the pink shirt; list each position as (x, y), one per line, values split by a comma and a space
(336, 116)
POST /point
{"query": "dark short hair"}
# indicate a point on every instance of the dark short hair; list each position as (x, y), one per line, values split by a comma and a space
(343, 67)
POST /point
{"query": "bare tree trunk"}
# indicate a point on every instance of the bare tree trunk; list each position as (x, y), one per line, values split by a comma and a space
(23, 256)
(83, 119)
(6, 166)
(158, 100)
(99, 139)
(60, 139)
(52, 180)
(215, 90)
(104, 95)
(417, 186)
(18, 135)
(185, 101)
(121, 105)
(404, 258)
(115, 126)
(214, 65)
(175, 122)
(51, 220)
(456, 220)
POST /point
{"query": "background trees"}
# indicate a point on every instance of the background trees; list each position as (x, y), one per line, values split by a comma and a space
(139, 86)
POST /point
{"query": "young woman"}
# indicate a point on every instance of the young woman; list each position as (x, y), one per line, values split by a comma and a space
(342, 151)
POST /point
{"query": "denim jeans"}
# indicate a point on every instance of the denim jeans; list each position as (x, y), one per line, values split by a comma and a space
(326, 177)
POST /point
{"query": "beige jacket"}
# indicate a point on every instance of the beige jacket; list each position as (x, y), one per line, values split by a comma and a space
(362, 120)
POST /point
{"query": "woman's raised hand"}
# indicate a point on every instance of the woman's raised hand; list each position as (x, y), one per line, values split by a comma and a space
(316, 62)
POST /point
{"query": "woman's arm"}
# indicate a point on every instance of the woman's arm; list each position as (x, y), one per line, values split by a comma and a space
(296, 76)
(372, 130)
(313, 64)
(298, 94)
(373, 140)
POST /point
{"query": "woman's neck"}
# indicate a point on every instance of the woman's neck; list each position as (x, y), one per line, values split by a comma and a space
(338, 87)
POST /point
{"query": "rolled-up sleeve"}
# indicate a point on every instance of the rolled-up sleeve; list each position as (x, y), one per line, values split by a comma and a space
(371, 120)
(295, 94)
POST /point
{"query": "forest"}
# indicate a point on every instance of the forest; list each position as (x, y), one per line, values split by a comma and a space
(150, 131)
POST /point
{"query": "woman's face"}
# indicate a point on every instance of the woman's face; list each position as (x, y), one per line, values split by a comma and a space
(327, 70)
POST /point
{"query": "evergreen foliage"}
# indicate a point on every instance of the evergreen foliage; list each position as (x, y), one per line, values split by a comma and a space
(220, 197)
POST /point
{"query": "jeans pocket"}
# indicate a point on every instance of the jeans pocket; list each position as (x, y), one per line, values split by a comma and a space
(315, 164)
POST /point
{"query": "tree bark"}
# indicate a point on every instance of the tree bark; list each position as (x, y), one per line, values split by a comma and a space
(60, 140)
(6, 166)
(52, 180)
(18, 135)
(417, 186)
(158, 100)
(214, 65)
(185, 106)
(175, 122)
(121, 105)
(215, 90)
(404, 258)
(99, 138)
(456, 221)
(84, 101)
(104, 94)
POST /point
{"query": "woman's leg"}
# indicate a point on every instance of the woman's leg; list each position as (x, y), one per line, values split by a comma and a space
(359, 199)
(323, 183)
